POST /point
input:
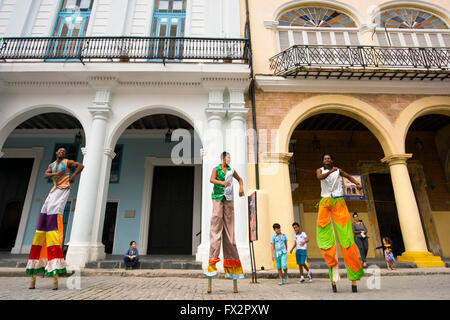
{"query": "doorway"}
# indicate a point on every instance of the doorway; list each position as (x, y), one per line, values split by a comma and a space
(171, 211)
(14, 178)
(109, 226)
(385, 207)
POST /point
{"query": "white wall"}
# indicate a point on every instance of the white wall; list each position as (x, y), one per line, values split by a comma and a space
(6, 12)
(37, 18)
(45, 19)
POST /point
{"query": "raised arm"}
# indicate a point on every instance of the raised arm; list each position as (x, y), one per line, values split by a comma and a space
(48, 173)
(321, 176)
(214, 180)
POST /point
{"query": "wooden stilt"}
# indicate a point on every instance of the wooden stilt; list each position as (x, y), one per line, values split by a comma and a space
(235, 287)
(33, 282)
(55, 282)
(354, 287)
(209, 284)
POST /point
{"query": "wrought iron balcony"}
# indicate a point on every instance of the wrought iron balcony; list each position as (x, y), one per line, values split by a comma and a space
(84, 49)
(362, 62)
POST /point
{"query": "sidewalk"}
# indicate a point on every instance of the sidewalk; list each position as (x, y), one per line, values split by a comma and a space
(266, 274)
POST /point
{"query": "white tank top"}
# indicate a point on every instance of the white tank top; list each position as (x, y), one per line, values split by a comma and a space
(332, 185)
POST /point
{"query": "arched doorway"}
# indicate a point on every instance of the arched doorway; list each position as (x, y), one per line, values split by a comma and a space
(27, 151)
(357, 151)
(428, 140)
(155, 183)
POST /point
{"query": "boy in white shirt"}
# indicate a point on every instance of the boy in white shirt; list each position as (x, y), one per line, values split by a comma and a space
(300, 254)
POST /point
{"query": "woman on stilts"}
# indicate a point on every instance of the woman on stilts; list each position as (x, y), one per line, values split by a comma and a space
(332, 203)
(222, 223)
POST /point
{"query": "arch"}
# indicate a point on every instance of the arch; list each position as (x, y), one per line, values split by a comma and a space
(374, 120)
(11, 122)
(433, 9)
(125, 122)
(338, 6)
(420, 107)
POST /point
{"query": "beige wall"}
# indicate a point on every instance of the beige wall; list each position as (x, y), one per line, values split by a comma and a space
(264, 41)
(442, 221)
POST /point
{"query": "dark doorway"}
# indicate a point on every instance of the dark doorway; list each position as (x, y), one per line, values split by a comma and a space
(109, 226)
(171, 210)
(386, 209)
(14, 178)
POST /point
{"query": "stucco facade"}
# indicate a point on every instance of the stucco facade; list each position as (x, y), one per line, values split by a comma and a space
(386, 107)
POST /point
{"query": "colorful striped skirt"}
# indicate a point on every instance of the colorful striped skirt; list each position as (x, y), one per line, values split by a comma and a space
(46, 251)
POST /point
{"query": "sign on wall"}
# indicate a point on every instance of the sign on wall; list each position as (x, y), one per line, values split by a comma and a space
(252, 221)
(350, 190)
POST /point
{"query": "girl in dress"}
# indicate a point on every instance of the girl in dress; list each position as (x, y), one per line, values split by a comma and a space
(388, 255)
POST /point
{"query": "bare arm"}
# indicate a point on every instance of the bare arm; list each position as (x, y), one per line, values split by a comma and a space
(273, 251)
(74, 164)
(321, 176)
(293, 247)
(48, 173)
(241, 183)
(214, 180)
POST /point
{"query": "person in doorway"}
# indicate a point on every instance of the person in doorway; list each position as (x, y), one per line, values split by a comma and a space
(361, 237)
(279, 252)
(222, 223)
(332, 203)
(300, 242)
(46, 251)
(131, 257)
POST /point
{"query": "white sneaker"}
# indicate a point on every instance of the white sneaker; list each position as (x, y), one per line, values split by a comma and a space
(302, 279)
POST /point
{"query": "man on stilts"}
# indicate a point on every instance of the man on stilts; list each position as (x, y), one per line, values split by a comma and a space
(332, 203)
(222, 223)
(46, 250)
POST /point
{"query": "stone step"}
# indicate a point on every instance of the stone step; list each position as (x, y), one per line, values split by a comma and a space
(164, 264)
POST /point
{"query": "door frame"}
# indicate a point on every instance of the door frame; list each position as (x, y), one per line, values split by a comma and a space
(36, 153)
(150, 164)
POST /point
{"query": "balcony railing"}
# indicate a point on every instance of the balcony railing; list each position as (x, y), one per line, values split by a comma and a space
(300, 58)
(122, 48)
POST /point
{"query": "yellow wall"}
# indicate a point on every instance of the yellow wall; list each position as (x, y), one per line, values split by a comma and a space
(264, 41)
(442, 222)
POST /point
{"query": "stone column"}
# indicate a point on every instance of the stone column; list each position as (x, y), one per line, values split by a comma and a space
(275, 181)
(236, 145)
(81, 248)
(98, 248)
(408, 214)
(213, 144)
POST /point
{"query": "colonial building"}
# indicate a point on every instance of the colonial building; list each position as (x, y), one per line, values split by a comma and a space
(367, 81)
(146, 94)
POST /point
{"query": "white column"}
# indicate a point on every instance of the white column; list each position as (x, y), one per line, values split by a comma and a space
(408, 211)
(212, 147)
(97, 247)
(236, 142)
(81, 246)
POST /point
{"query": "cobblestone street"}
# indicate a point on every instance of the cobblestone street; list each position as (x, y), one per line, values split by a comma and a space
(433, 287)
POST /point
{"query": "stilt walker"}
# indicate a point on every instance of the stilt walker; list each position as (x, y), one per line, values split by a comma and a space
(333, 204)
(222, 224)
(46, 251)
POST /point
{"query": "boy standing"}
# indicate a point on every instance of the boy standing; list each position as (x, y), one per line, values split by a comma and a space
(279, 252)
(300, 254)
